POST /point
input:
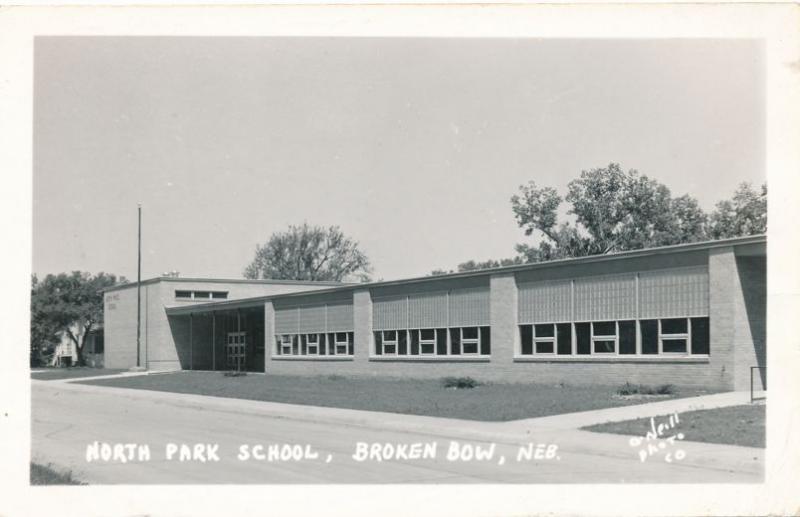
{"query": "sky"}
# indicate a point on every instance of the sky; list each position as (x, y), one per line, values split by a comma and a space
(412, 146)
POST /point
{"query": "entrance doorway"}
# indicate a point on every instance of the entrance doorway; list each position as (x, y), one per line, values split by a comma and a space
(236, 351)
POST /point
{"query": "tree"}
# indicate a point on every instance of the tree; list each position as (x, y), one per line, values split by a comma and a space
(309, 253)
(613, 211)
(744, 214)
(68, 303)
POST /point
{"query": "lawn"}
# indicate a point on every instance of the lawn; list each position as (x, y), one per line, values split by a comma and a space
(72, 372)
(487, 402)
(45, 475)
(736, 425)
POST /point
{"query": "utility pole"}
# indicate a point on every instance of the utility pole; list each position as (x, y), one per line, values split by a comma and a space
(139, 293)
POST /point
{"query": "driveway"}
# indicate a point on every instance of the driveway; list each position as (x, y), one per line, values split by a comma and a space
(321, 445)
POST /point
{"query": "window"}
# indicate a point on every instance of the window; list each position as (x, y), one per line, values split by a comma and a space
(700, 336)
(342, 344)
(201, 295)
(544, 337)
(389, 342)
(564, 333)
(604, 337)
(285, 344)
(649, 330)
(470, 342)
(583, 337)
(312, 344)
(627, 337)
(674, 334)
(427, 341)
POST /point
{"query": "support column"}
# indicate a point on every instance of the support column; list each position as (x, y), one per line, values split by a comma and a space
(191, 341)
(724, 288)
(503, 317)
(362, 325)
(269, 333)
(213, 341)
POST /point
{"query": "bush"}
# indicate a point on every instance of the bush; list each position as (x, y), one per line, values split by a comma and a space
(460, 383)
(644, 389)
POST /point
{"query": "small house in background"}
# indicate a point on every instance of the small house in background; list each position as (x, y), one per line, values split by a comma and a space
(66, 353)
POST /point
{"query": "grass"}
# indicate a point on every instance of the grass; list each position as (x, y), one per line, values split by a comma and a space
(46, 475)
(736, 425)
(485, 402)
(71, 372)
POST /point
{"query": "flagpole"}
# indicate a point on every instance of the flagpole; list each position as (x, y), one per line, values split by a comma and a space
(139, 292)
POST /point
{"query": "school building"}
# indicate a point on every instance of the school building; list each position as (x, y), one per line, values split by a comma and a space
(689, 315)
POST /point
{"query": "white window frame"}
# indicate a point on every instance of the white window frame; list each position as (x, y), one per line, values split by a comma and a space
(544, 339)
(687, 336)
(337, 343)
(395, 342)
(315, 344)
(476, 341)
(431, 342)
(606, 337)
(284, 344)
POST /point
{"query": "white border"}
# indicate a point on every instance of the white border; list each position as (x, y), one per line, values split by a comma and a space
(776, 24)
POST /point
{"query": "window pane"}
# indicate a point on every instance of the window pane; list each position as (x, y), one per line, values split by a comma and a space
(312, 339)
(426, 348)
(583, 338)
(564, 338)
(389, 349)
(341, 337)
(700, 337)
(544, 347)
(627, 337)
(378, 342)
(441, 341)
(183, 294)
(545, 330)
(674, 326)
(402, 343)
(470, 332)
(604, 347)
(470, 348)
(455, 341)
(390, 335)
(649, 336)
(219, 295)
(202, 294)
(526, 339)
(486, 341)
(414, 342)
(427, 334)
(604, 328)
(351, 342)
(674, 345)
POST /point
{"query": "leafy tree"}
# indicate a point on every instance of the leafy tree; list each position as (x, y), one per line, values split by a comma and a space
(472, 265)
(309, 253)
(744, 214)
(68, 303)
(613, 211)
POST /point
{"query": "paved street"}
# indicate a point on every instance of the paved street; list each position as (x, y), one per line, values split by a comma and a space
(69, 417)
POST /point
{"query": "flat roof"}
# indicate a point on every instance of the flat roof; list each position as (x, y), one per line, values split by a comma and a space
(646, 252)
(225, 281)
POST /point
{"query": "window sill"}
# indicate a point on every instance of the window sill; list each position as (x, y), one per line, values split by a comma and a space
(610, 359)
(431, 358)
(311, 358)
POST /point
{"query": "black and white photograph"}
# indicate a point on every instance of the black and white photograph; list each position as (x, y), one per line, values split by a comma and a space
(311, 259)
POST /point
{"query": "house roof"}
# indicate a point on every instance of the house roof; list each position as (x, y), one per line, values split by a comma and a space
(756, 244)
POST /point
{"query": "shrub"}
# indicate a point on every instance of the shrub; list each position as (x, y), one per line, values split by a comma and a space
(644, 389)
(460, 383)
